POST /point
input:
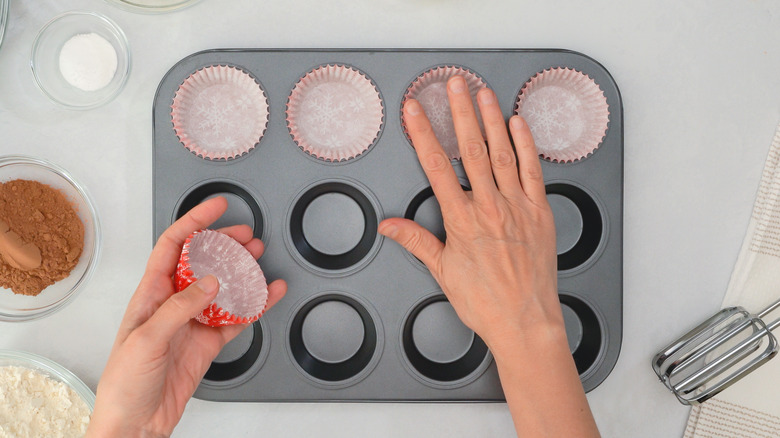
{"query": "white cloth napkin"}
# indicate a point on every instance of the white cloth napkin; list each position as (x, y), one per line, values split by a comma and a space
(751, 407)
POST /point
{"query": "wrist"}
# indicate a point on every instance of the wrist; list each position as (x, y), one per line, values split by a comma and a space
(515, 341)
(112, 423)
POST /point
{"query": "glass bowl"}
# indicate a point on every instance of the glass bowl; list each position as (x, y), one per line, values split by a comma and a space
(45, 59)
(15, 307)
(49, 368)
(3, 18)
(152, 6)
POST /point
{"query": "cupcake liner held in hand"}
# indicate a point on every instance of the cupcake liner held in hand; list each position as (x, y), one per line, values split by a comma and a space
(567, 113)
(430, 89)
(335, 113)
(219, 112)
(243, 292)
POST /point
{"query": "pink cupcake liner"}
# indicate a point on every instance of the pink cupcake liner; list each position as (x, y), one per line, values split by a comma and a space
(243, 293)
(430, 89)
(567, 113)
(219, 112)
(334, 113)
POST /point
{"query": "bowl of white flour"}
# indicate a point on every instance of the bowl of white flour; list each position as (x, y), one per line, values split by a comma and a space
(80, 60)
(39, 397)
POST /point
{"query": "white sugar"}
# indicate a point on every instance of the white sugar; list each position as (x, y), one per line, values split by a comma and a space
(35, 405)
(88, 61)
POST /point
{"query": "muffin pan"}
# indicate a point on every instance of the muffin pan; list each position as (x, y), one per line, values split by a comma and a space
(363, 319)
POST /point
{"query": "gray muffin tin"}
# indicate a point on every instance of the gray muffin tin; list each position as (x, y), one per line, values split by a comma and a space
(363, 320)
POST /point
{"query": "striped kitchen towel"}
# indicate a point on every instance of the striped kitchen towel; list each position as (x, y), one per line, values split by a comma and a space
(751, 407)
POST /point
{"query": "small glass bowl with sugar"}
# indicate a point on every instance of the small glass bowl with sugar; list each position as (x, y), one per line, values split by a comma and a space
(80, 60)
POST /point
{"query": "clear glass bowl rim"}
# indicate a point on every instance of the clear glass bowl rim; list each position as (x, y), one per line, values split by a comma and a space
(133, 7)
(122, 42)
(6, 160)
(55, 370)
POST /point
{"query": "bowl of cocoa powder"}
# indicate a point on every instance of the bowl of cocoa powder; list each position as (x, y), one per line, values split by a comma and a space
(49, 238)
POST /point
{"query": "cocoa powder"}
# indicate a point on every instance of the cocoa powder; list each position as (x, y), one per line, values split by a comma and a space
(40, 215)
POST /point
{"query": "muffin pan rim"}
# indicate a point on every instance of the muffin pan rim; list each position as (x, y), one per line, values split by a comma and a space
(376, 356)
(262, 357)
(605, 337)
(605, 228)
(483, 366)
(301, 260)
(265, 235)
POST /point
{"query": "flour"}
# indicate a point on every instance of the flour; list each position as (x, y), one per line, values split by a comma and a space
(88, 61)
(34, 405)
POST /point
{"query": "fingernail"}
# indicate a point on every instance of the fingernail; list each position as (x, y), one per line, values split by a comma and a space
(208, 284)
(516, 122)
(389, 230)
(412, 108)
(457, 84)
(486, 96)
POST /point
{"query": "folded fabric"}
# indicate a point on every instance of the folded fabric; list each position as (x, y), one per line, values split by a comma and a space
(751, 407)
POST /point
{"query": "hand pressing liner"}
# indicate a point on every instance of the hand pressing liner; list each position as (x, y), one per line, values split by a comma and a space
(243, 292)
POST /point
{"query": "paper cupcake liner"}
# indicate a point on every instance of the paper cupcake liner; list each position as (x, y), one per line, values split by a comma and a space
(334, 113)
(219, 112)
(567, 113)
(430, 89)
(243, 293)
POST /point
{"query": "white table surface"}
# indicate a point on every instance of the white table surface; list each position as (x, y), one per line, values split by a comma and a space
(700, 82)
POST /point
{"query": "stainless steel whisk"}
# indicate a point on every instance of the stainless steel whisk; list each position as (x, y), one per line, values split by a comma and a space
(717, 353)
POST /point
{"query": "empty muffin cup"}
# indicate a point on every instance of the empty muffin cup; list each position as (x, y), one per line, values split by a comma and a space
(579, 226)
(238, 356)
(219, 112)
(425, 210)
(334, 338)
(335, 113)
(439, 346)
(243, 292)
(333, 225)
(243, 208)
(583, 331)
(567, 112)
(430, 89)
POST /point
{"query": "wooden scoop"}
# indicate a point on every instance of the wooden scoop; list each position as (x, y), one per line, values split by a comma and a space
(16, 252)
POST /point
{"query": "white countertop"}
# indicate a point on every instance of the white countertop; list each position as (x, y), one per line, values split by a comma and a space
(701, 96)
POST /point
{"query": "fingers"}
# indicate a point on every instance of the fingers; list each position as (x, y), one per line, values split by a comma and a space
(531, 177)
(166, 252)
(415, 239)
(180, 308)
(502, 155)
(240, 233)
(473, 151)
(434, 161)
(244, 235)
(276, 291)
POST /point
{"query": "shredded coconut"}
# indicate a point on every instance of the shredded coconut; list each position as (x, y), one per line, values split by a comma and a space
(34, 405)
(88, 61)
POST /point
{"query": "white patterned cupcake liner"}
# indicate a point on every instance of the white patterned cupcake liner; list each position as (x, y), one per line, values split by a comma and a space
(219, 112)
(567, 113)
(430, 89)
(335, 113)
(243, 293)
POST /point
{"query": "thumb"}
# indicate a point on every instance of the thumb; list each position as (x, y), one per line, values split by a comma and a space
(416, 239)
(181, 307)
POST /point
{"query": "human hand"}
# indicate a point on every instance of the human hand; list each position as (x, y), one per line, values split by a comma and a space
(498, 266)
(161, 353)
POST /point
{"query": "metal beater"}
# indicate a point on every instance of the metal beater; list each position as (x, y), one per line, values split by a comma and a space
(717, 353)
